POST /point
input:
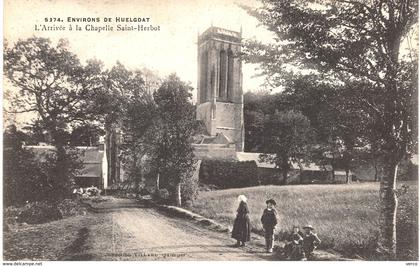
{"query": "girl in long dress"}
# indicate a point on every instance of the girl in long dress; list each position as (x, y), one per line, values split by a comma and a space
(242, 226)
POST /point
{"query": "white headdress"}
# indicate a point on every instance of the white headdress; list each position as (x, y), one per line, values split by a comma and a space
(242, 198)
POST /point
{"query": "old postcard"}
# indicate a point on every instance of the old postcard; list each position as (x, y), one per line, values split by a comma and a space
(224, 130)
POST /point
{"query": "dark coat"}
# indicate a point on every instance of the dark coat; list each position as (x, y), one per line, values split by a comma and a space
(310, 242)
(269, 219)
(298, 237)
(242, 225)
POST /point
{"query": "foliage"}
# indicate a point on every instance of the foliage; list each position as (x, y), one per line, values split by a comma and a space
(51, 82)
(162, 196)
(22, 177)
(286, 138)
(31, 178)
(174, 128)
(85, 135)
(226, 174)
(353, 42)
(124, 103)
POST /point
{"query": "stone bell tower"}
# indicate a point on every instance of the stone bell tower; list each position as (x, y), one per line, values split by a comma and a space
(220, 97)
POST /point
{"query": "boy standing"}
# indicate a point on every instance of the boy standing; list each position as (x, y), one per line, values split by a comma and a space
(310, 241)
(269, 221)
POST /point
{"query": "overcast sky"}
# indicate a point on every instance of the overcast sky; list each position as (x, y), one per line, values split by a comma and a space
(172, 49)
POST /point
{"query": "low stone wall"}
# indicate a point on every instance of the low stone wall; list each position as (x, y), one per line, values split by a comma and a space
(214, 152)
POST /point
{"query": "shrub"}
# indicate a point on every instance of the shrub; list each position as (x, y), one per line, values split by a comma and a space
(226, 174)
(161, 196)
(23, 178)
(60, 169)
(31, 177)
(39, 212)
(71, 207)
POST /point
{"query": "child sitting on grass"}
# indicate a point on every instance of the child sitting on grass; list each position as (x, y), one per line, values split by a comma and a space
(310, 242)
(294, 247)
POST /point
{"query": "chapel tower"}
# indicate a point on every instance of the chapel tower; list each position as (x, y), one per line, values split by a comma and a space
(219, 96)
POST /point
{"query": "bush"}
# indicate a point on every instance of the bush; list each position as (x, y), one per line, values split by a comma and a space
(226, 174)
(23, 178)
(60, 169)
(71, 207)
(39, 212)
(36, 177)
(161, 196)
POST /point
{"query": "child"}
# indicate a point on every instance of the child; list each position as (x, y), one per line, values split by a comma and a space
(294, 247)
(242, 225)
(269, 221)
(310, 241)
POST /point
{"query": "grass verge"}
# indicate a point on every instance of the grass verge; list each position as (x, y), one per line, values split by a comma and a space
(344, 216)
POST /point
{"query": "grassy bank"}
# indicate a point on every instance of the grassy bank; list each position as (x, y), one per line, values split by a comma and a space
(344, 216)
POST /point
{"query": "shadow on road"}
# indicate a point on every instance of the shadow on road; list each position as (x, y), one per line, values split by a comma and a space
(74, 252)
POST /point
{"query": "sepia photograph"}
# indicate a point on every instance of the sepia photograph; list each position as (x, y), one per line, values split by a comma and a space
(225, 130)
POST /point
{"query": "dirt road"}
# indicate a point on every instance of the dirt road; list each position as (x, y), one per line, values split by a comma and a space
(133, 232)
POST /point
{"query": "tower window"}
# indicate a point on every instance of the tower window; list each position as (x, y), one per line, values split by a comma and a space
(229, 94)
(223, 75)
(203, 77)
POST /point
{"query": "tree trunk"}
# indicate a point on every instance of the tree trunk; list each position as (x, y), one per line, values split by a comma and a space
(375, 165)
(178, 194)
(348, 181)
(332, 170)
(388, 211)
(284, 169)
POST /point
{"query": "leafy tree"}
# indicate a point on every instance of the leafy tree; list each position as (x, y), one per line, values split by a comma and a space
(30, 177)
(137, 124)
(85, 135)
(353, 40)
(286, 139)
(51, 82)
(21, 175)
(174, 129)
(125, 103)
(256, 106)
(253, 121)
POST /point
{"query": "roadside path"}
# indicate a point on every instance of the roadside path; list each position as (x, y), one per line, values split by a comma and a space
(140, 233)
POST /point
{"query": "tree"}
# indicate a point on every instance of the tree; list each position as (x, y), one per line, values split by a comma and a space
(125, 103)
(27, 178)
(137, 124)
(51, 82)
(174, 129)
(286, 139)
(359, 41)
(21, 176)
(256, 106)
(85, 135)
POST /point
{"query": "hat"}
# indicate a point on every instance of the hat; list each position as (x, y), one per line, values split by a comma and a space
(308, 226)
(242, 198)
(271, 201)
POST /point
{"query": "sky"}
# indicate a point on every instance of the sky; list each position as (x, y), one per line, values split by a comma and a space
(172, 49)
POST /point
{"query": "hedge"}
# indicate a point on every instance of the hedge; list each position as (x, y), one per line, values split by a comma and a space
(228, 174)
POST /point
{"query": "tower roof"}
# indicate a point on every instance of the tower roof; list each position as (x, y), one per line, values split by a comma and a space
(220, 34)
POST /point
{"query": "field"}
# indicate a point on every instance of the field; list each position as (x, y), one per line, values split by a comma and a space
(344, 216)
